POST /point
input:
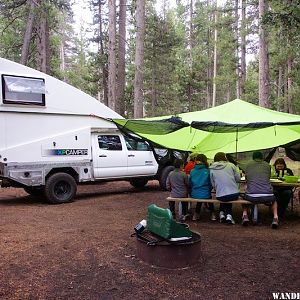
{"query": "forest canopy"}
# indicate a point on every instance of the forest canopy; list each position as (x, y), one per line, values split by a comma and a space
(151, 58)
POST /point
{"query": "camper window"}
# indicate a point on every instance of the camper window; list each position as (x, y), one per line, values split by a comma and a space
(23, 90)
(109, 142)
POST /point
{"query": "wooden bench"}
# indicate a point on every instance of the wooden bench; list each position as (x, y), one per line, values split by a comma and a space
(239, 201)
(194, 200)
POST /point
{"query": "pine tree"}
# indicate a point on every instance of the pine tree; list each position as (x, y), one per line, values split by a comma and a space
(139, 60)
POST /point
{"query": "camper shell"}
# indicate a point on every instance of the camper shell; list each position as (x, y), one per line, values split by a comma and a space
(54, 137)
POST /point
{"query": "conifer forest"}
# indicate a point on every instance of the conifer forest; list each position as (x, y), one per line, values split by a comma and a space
(146, 58)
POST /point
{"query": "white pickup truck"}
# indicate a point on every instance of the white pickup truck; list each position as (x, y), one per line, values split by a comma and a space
(54, 137)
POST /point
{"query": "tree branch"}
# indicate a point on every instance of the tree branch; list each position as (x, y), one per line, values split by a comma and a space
(13, 5)
(11, 22)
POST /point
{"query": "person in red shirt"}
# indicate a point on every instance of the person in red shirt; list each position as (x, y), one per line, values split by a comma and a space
(191, 164)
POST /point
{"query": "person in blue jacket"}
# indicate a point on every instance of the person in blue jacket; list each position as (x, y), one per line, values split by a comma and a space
(200, 186)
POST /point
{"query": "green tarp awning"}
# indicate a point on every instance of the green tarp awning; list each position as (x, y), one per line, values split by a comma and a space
(236, 126)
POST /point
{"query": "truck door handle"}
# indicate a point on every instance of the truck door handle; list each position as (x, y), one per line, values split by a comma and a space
(131, 155)
(102, 155)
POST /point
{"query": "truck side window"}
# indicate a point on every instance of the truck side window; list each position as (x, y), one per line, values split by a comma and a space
(23, 90)
(109, 142)
(136, 145)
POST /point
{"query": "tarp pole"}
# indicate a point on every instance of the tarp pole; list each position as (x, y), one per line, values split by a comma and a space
(236, 142)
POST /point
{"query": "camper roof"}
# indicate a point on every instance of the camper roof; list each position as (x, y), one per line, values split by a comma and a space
(59, 97)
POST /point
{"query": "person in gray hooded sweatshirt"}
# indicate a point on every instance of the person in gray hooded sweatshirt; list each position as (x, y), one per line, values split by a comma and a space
(224, 177)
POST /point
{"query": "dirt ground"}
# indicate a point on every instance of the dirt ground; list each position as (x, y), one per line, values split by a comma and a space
(83, 250)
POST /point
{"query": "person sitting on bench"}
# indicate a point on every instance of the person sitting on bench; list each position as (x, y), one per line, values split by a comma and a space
(190, 164)
(224, 177)
(283, 194)
(259, 189)
(200, 185)
(178, 184)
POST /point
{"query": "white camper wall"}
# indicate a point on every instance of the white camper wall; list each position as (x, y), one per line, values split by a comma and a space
(27, 135)
(60, 96)
(23, 128)
(51, 148)
(2, 131)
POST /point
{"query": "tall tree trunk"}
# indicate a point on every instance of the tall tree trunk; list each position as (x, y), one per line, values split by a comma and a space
(43, 56)
(280, 81)
(154, 102)
(228, 93)
(28, 33)
(279, 87)
(190, 87)
(289, 85)
(243, 50)
(120, 107)
(215, 58)
(290, 63)
(263, 58)
(165, 8)
(237, 54)
(112, 54)
(285, 89)
(153, 88)
(62, 66)
(279, 91)
(139, 60)
(103, 73)
(209, 67)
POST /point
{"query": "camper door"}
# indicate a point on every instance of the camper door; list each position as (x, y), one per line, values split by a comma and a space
(109, 156)
(141, 160)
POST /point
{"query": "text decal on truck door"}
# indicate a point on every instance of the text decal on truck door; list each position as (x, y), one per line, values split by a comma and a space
(66, 152)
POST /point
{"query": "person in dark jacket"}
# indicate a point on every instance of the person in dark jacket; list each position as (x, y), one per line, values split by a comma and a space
(200, 185)
(178, 184)
(283, 194)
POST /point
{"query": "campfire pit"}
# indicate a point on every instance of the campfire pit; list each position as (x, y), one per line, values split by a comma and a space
(171, 253)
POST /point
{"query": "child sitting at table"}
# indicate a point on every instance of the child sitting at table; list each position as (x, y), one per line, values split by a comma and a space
(177, 183)
(283, 194)
(191, 163)
(200, 185)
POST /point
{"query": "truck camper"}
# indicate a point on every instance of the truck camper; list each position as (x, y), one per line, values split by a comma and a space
(54, 137)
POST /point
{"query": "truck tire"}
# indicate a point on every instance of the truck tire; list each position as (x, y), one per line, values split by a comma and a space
(60, 188)
(138, 182)
(34, 190)
(163, 177)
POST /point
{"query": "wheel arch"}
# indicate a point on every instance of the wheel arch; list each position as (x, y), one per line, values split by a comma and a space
(67, 170)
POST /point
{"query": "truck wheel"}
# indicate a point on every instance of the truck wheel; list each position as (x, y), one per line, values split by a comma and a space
(34, 190)
(138, 182)
(163, 177)
(60, 188)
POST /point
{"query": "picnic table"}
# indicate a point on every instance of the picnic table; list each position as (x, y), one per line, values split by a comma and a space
(280, 183)
(293, 185)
